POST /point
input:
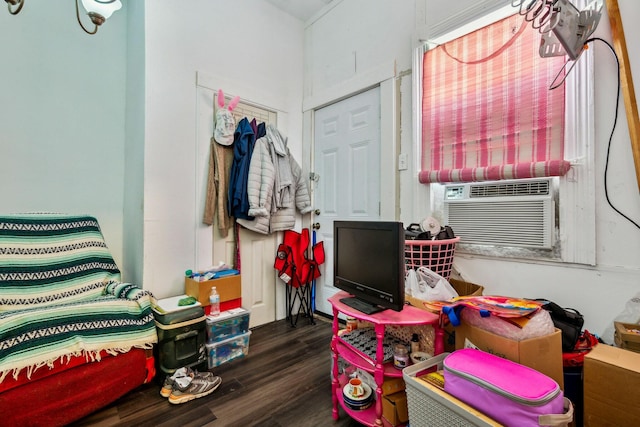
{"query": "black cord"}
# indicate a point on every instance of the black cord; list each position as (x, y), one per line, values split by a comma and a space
(615, 121)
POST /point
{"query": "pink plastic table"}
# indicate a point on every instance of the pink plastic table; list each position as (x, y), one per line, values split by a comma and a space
(409, 316)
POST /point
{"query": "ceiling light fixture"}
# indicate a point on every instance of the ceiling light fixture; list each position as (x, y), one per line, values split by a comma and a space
(18, 3)
(98, 11)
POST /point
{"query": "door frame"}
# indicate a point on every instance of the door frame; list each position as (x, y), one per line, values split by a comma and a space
(260, 283)
(389, 136)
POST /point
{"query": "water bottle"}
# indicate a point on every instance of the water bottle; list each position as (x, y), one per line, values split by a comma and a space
(214, 301)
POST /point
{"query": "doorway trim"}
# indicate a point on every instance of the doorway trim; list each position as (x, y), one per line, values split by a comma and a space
(384, 76)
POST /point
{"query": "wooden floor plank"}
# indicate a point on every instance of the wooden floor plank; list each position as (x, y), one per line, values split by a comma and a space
(284, 381)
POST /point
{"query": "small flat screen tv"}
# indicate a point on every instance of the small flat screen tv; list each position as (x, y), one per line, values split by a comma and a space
(369, 264)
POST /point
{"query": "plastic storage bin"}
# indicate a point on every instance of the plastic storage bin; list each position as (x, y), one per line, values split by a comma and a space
(228, 324)
(436, 255)
(228, 349)
(430, 406)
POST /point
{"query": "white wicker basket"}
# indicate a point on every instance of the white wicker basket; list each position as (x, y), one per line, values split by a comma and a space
(429, 406)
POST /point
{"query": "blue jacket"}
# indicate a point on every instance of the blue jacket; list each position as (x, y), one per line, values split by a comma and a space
(243, 141)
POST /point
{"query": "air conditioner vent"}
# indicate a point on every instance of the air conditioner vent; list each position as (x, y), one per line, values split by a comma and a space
(528, 188)
(519, 213)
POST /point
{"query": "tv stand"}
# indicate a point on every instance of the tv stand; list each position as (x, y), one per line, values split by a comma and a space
(360, 305)
(409, 316)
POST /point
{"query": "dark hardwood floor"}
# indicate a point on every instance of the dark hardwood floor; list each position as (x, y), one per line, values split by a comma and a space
(283, 381)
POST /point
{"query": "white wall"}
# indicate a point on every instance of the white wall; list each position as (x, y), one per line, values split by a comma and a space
(356, 45)
(248, 48)
(369, 33)
(354, 38)
(133, 230)
(62, 109)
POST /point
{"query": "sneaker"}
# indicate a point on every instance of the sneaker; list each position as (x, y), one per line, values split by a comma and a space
(202, 384)
(169, 380)
(181, 376)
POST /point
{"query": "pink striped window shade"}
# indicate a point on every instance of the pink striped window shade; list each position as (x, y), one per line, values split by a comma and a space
(487, 111)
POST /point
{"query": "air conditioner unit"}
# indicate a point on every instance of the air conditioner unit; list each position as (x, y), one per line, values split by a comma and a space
(518, 213)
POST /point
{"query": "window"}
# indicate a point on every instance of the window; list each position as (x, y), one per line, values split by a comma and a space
(487, 112)
(459, 149)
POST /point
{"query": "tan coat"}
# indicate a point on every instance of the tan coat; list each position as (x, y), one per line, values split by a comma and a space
(220, 160)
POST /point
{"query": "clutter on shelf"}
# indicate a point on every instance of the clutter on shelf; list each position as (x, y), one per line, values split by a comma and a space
(214, 272)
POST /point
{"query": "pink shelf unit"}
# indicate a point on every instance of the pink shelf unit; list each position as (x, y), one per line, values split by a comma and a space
(409, 316)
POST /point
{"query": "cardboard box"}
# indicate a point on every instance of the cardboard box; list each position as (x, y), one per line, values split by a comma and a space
(627, 336)
(392, 385)
(229, 288)
(394, 408)
(466, 288)
(544, 354)
(611, 387)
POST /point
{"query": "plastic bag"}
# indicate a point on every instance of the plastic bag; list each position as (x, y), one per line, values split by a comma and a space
(410, 282)
(539, 325)
(431, 286)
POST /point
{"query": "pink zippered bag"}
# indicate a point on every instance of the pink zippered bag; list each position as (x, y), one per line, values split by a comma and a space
(510, 393)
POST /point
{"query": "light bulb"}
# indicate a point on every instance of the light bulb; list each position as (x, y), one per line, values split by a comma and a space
(104, 8)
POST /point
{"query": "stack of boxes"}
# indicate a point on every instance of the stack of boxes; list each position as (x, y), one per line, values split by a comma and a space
(394, 401)
(188, 337)
(227, 335)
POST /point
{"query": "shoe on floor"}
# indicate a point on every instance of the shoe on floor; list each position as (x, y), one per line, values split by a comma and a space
(182, 376)
(202, 384)
(167, 386)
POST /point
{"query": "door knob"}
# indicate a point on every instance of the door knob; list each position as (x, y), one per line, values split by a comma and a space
(316, 212)
(316, 226)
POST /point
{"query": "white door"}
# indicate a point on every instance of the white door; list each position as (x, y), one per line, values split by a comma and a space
(257, 250)
(347, 161)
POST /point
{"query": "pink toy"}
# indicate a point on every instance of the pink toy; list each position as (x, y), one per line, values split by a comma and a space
(225, 125)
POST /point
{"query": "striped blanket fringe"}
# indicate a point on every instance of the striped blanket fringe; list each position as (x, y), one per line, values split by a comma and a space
(89, 356)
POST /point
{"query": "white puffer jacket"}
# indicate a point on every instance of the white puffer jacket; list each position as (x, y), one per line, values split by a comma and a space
(275, 186)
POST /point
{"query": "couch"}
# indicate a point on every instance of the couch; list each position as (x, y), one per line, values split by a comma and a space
(73, 337)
